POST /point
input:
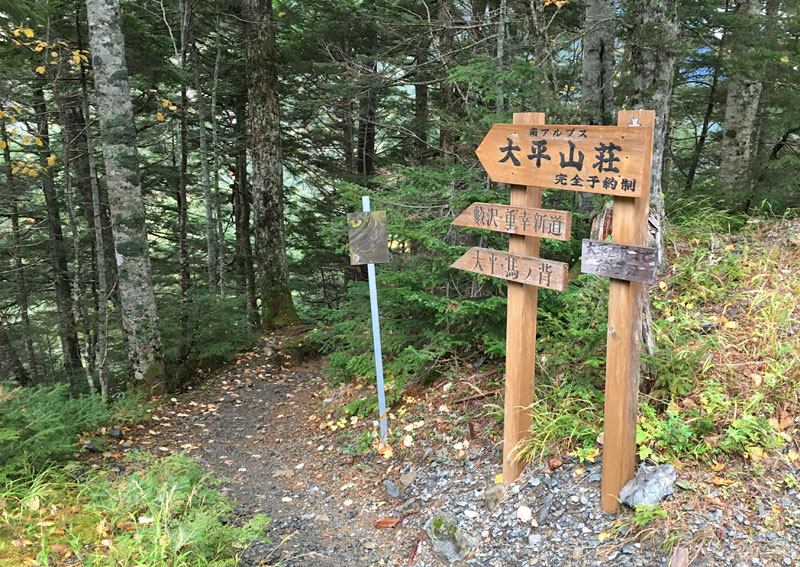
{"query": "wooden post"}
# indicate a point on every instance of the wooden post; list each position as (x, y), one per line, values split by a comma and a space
(520, 330)
(630, 221)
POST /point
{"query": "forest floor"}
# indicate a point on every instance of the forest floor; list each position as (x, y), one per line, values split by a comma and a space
(273, 429)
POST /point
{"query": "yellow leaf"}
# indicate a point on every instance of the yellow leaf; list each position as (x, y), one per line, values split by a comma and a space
(731, 325)
(28, 32)
(165, 102)
(54, 54)
(160, 116)
(716, 467)
(76, 58)
(784, 59)
(719, 481)
(662, 285)
(15, 108)
(603, 536)
(12, 119)
(29, 561)
(38, 141)
(51, 160)
(33, 172)
(41, 69)
(386, 450)
(2, 144)
(38, 48)
(173, 107)
(14, 170)
(26, 140)
(498, 479)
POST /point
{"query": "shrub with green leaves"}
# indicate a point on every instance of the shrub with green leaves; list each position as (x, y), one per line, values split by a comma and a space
(40, 425)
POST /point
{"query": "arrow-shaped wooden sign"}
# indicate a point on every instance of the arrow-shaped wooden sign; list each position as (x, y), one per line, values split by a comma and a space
(596, 159)
(514, 268)
(525, 221)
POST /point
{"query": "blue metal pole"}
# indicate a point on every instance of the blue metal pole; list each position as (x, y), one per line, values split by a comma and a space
(376, 338)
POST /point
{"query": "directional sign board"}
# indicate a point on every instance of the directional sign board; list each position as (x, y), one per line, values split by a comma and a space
(514, 268)
(525, 221)
(368, 237)
(619, 261)
(595, 159)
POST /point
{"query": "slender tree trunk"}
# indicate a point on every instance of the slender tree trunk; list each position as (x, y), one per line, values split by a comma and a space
(421, 118)
(220, 233)
(68, 331)
(79, 289)
(10, 364)
(19, 266)
(741, 109)
(694, 162)
(137, 297)
(241, 215)
(265, 136)
(104, 273)
(208, 196)
(447, 90)
(501, 49)
(365, 150)
(181, 195)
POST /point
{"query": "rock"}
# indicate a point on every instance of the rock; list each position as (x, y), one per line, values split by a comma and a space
(115, 432)
(577, 553)
(391, 488)
(493, 495)
(370, 545)
(323, 518)
(544, 510)
(524, 514)
(285, 473)
(649, 486)
(407, 479)
(449, 541)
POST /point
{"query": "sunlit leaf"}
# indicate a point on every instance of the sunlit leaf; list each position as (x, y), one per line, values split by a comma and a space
(41, 69)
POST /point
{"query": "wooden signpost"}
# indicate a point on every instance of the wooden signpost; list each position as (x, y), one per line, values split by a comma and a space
(612, 160)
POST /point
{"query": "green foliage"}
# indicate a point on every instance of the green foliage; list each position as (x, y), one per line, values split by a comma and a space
(163, 513)
(645, 514)
(217, 330)
(182, 520)
(40, 425)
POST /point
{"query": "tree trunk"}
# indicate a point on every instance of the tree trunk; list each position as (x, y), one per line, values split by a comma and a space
(137, 297)
(10, 364)
(243, 260)
(741, 109)
(68, 332)
(265, 136)
(694, 162)
(208, 196)
(19, 266)
(365, 150)
(220, 232)
(653, 68)
(597, 92)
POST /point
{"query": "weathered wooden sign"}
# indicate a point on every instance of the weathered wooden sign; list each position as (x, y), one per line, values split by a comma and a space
(596, 159)
(368, 238)
(543, 223)
(514, 268)
(620, 261)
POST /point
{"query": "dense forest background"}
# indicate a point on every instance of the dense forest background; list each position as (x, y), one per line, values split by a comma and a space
(258, 125)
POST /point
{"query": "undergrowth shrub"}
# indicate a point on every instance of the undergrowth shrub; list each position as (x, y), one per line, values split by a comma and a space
(180, 519)
(40, 425)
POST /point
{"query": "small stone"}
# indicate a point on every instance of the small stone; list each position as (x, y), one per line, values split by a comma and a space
(471, 514)
(323, 518)
(115, 432)
(544, 510)
(391, 488)
(407, 479)
(628, 549)
(524, 514)
(370, 545)
(577, 553)
(535, 539)
(493, 495)
(613, 555)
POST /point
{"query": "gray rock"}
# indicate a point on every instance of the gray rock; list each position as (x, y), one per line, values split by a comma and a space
(649, 486)
(408, 478)
(544, 510)
(493, 495)
(391, 488)
(449, 541)
(115, 432)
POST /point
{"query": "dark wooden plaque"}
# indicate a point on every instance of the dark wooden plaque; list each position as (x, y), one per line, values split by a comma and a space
(514, 268)
(369, 243)
(544, 223)
(619, 261)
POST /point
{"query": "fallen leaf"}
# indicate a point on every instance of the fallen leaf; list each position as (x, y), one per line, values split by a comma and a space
(716, 467)
(787, 420)
(603, 536)
(386, 522)
(498, 479)
(719, 481)
(731, 325)
(146, 520)
(29, 561)
(59, 548)
(553, 463)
